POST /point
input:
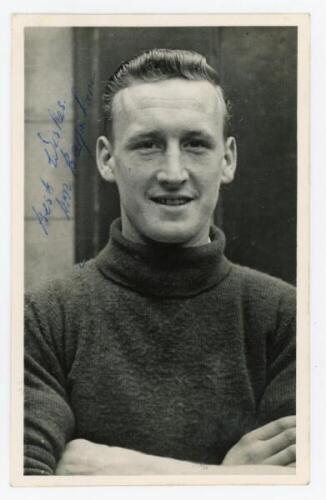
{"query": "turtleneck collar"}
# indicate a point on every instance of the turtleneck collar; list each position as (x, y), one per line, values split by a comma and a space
(163, 270)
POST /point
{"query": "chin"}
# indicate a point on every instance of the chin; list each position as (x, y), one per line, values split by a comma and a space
(172, 235)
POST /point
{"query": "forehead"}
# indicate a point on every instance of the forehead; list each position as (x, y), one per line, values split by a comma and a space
(169, 98)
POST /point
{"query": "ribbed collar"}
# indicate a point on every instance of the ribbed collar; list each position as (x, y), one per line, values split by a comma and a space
(163, 270)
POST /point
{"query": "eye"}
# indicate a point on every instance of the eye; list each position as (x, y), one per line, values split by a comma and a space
(196, 145)
(147, 146)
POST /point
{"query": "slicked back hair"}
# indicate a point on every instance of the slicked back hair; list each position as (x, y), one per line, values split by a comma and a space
(158, 65)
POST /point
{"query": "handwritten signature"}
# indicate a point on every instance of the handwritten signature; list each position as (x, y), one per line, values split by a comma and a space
(63, 199)
(56, 154)
(51, 140)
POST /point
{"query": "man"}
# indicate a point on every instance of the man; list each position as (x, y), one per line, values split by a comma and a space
(160, 355)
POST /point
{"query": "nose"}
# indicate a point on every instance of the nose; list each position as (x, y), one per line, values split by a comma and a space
(172, 171)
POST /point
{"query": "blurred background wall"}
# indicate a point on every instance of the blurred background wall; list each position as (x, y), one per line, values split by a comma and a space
(49, 76)
(258, 68)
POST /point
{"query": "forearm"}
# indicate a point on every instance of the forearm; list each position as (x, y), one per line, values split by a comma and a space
(170, 466)
(82, 457)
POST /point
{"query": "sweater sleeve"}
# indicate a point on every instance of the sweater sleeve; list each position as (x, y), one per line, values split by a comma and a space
(49, 421)
(279, 397)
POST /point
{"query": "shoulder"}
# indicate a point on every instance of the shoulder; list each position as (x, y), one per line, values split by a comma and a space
(251, 279)
(56, 309)
(69, 287)
(264, 292)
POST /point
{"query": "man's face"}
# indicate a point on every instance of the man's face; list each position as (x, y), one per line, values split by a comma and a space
(168, 158)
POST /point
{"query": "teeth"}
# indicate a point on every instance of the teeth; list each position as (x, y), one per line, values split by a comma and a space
(172, 201)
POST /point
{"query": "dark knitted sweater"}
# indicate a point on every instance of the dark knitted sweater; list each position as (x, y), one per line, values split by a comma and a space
(170, 351)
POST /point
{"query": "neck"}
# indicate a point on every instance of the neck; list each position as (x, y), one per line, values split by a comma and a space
(162, 269)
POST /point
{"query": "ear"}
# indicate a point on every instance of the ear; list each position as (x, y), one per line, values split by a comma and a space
(104, 159)
(229, 161)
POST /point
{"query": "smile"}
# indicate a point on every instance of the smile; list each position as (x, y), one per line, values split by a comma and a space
(163, 200)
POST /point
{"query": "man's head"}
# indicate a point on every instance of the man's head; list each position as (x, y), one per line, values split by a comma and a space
(166, 145)
(158, 65)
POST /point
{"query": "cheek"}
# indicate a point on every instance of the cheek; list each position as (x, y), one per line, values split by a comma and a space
(210, 183)
(131, 186)
(125, 174)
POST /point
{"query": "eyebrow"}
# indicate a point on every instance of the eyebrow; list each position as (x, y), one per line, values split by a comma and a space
(202, 134)
(141, 136)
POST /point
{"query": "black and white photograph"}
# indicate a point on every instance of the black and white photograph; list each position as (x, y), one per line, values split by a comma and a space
(163, 170)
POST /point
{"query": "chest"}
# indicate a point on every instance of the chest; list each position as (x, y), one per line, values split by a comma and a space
(166, 378)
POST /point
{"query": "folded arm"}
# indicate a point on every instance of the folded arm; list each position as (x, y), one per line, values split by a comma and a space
(49, 420)
(270, 445)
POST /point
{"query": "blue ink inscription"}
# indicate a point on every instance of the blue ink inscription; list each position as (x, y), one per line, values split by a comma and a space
(52, 146)
(86, 102)
(65, 199)
(58, 116)
(52, 139)
(57, 155)
(43, 215)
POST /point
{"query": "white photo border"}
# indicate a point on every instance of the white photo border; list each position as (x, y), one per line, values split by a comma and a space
(232, 476)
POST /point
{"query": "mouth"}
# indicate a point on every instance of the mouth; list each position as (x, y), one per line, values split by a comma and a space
(171, 200)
